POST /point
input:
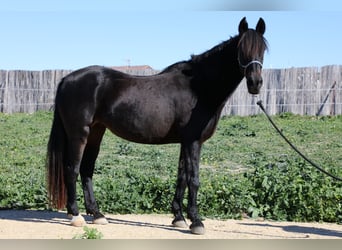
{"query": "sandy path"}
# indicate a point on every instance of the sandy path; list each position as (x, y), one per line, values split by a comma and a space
(54, 225)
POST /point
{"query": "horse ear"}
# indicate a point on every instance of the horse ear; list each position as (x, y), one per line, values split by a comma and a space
(243, 26)
(261, 26)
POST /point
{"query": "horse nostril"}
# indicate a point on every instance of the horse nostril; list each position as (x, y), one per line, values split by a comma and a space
(260, 82)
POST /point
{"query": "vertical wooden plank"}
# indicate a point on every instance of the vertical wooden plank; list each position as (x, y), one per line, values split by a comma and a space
(2, 89)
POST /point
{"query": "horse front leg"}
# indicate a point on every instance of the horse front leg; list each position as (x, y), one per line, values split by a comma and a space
(192, 174)
(188, 174)
(177, 202)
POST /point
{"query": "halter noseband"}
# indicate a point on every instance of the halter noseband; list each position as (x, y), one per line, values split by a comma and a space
(249, 64)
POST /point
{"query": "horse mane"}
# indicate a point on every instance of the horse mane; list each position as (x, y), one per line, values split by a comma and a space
(251, 42)
(186, 65)
(213, 51)
(176, 66)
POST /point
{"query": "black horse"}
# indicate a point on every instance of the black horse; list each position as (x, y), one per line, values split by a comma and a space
(182, 104)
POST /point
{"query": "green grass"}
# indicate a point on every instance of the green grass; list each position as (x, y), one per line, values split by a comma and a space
(246, 168)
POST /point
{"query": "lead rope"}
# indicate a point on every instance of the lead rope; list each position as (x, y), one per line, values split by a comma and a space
(293, 147)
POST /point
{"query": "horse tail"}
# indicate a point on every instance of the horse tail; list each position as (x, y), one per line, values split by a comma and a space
(56, 158)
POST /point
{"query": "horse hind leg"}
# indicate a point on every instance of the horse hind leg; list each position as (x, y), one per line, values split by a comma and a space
(76, 146)
(87, 169)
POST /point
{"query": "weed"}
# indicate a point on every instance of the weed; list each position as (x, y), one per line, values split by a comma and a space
(89, 234)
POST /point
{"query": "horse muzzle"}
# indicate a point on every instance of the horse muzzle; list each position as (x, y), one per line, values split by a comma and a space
(254, 83)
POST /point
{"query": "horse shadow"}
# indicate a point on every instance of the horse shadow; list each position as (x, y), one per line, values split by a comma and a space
(60, 217)
(306, 231)
(38, 216)
(147, 224)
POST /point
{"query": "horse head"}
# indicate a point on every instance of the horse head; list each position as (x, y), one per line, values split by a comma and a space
(251, 48)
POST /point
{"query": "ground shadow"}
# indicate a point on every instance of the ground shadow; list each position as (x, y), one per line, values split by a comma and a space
(41, 216)
(300, 229)
(60, 217)
(148, 224)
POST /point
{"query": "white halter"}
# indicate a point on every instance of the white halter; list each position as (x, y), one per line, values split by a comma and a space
(248, 64)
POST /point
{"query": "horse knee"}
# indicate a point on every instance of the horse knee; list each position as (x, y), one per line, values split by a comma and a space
(193, 184)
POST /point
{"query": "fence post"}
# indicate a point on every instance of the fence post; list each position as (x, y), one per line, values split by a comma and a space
(332, 88)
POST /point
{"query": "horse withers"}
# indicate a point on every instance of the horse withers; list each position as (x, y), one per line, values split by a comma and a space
(182, 104)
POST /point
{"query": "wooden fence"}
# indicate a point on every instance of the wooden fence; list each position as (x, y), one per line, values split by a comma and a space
(304, 91)
(28, 91)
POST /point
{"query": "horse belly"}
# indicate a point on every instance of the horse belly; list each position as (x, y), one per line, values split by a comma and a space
(143, 124)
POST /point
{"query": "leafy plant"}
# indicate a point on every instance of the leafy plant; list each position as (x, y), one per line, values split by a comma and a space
(89, 234)
(294, 192)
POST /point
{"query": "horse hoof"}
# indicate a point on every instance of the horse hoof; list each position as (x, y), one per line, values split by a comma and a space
(180, 224)
(100, 221)
(197, 230)
(197, 227)
(77, 221)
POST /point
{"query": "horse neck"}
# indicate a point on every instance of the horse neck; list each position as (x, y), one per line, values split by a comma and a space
(217, 73)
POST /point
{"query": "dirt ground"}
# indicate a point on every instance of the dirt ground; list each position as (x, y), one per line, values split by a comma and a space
(28, 224)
